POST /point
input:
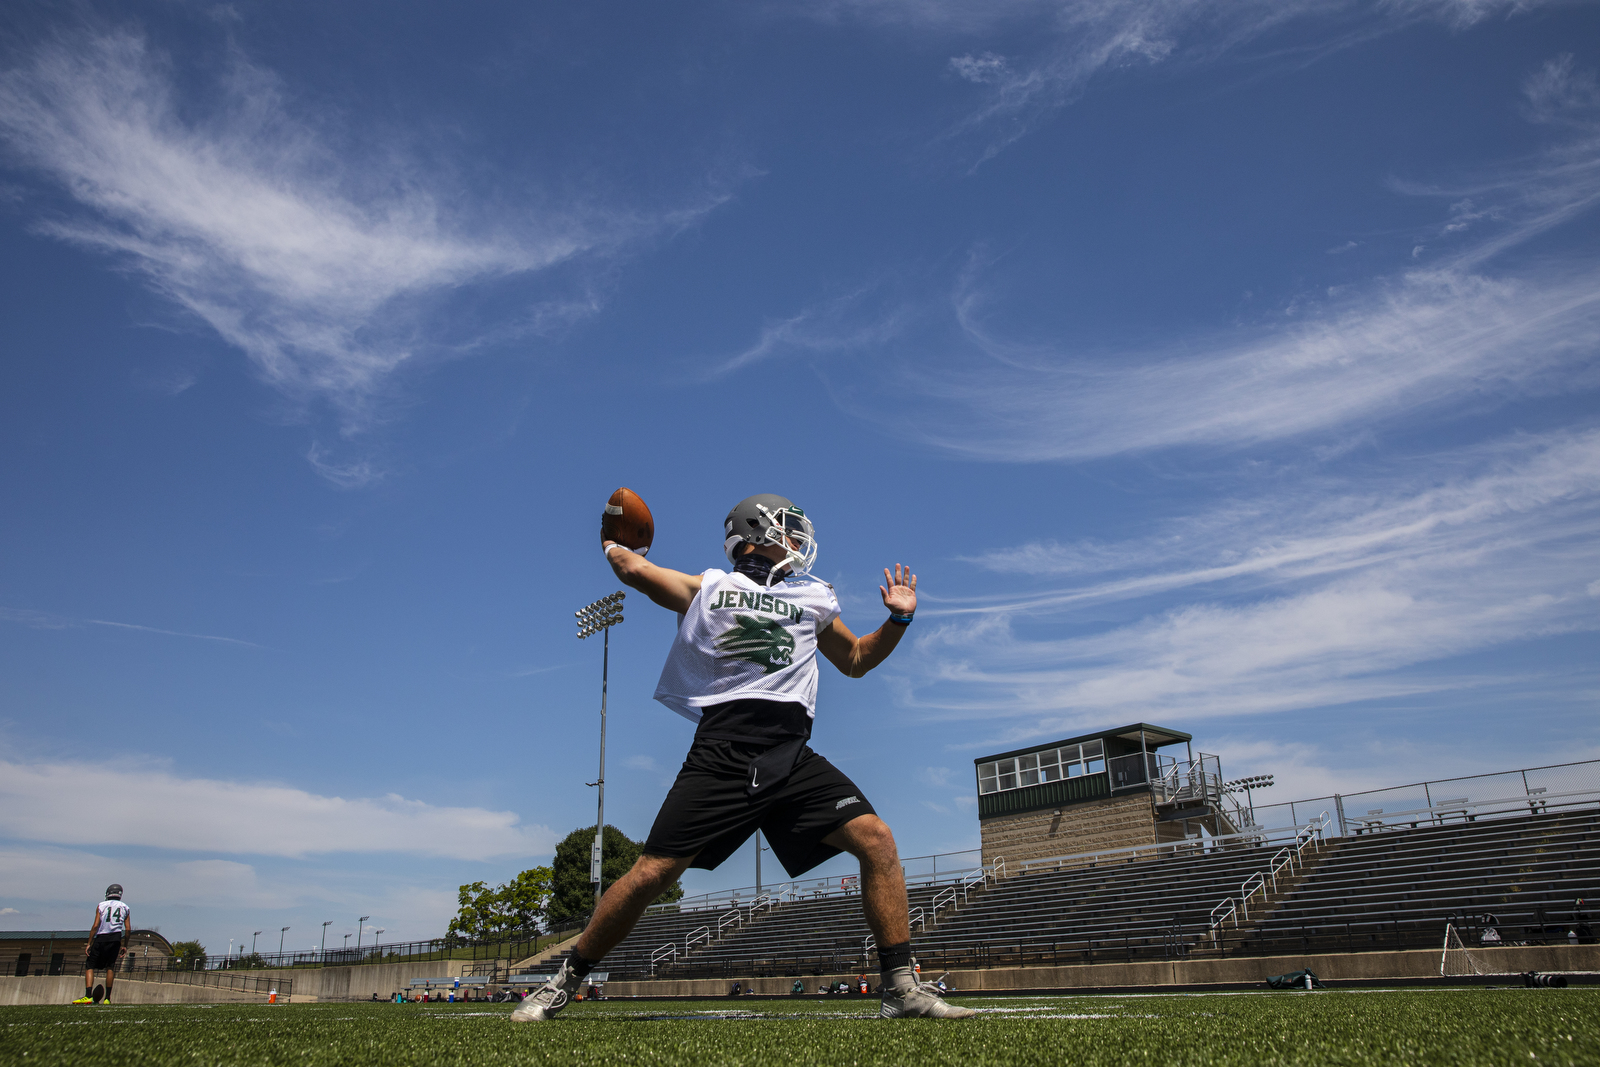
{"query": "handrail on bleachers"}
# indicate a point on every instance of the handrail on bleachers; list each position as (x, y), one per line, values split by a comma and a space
(1187, 845)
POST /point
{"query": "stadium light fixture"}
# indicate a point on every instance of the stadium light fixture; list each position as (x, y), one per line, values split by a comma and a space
(253, 937)
(1245, 785)
(281, 932)
(375, 935)
(347, 942)
(324, 951)
(363, 919)
(598, 618)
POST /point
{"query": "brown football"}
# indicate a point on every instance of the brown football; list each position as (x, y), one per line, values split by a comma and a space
(627, 521)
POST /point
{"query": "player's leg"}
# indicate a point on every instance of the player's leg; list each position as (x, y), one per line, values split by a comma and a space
(623, 904)
(619, 911)
(111, 976)
(883, 881)
(807, 830)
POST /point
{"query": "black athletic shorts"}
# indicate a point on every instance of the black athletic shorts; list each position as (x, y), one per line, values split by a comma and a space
(103, 951)
(708, 812)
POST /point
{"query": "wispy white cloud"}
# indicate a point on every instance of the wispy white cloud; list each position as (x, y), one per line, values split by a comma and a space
(1427, 339)
(316, 260)
(1557, 92)
(842, 324)
(40, 620)
(1433, 337)
(1303, 599)
(47, 802)
(1078, 39)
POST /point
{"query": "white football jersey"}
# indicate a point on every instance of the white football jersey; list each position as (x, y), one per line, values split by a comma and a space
(740, 640)
(113, 917)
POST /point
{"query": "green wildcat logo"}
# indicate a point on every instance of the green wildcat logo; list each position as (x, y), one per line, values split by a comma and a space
(763, 642)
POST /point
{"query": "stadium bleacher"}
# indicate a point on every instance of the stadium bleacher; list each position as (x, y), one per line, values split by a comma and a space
(1402, 886)
(1380, 890)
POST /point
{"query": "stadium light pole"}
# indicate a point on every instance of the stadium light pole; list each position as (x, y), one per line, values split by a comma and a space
(359, 921)
(281, 932)
(347, 942)
(375, 935)
(253, 942)
(324, 950)
(598, 618)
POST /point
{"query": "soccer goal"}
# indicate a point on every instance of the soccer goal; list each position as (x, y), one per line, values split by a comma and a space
(1457, 961)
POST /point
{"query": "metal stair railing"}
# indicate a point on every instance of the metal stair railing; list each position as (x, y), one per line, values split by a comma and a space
(693, 936)
(1289, 855)
(733, 918)
(669, 950)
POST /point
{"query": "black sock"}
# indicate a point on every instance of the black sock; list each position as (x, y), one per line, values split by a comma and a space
(580, 966)
(892, 956)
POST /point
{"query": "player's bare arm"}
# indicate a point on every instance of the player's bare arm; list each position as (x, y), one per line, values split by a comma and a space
(669, 588)
(855, 656)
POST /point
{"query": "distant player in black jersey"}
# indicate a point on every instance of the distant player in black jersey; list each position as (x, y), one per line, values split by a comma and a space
(743, 668)
(104, 948)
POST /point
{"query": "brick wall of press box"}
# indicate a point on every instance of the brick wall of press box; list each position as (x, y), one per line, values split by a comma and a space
(1116, 822)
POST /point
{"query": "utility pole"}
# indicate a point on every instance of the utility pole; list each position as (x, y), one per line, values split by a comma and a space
(598, 618)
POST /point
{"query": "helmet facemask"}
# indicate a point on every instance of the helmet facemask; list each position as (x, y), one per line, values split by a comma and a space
(781, 524)
(790, 530)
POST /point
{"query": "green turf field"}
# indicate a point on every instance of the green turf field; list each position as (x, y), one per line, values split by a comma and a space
(1464, 1026)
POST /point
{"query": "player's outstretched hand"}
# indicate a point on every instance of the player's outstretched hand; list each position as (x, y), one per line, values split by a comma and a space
(900, 592)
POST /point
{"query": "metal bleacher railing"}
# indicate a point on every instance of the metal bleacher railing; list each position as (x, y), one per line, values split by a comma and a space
(920, 870)
(1530, 790)
(487, 954)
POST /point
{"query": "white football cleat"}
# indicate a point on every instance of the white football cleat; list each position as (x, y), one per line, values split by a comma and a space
(906, 998)
(542, 1004)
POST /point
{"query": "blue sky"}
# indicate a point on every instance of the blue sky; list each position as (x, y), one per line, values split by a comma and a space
(1226, 366)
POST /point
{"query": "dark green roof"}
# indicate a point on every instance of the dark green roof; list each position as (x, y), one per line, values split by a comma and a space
(1155, 737)
(40, 935)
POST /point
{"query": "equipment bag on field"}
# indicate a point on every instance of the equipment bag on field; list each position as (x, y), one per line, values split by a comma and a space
(1295, 980)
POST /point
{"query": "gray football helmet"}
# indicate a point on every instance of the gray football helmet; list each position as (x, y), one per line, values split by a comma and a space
(769, 519)
(113, 891)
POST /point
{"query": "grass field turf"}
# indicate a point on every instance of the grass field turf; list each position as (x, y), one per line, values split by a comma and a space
(1461, 1026)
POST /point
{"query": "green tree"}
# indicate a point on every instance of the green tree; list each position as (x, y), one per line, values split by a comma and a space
(187, 952)
(523, 899)
(518, 905)
(476, 914)
(572, 894)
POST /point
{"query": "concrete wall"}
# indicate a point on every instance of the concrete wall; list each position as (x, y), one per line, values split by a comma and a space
(359, 983)
(1116, 822)
(310, 985)
(1351, 966)
(64, 990)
